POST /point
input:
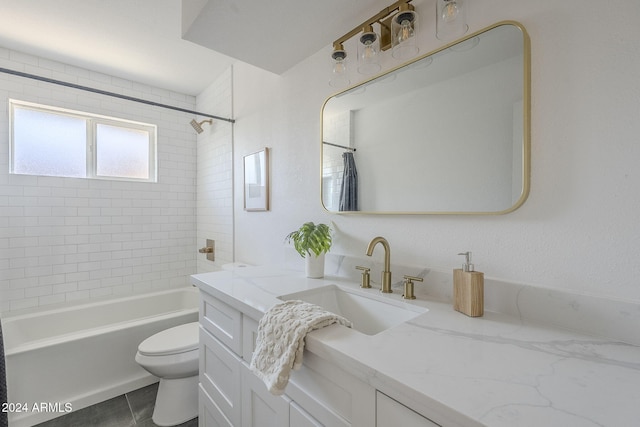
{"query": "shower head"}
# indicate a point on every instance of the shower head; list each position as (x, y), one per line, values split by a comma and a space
(198, 126)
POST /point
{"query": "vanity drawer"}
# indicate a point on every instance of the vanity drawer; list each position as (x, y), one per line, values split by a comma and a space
(330, 395)
(391, 413)
(222, 321)
(220, 376)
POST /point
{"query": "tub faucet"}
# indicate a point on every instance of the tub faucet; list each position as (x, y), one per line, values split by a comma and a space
(385, 285)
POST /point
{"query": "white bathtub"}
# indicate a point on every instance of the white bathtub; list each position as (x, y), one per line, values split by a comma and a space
(84, 354)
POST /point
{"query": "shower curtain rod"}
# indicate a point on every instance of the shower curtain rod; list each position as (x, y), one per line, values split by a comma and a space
(112, 94)
(339, 146)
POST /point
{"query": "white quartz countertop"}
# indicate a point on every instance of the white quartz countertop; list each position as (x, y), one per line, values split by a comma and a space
(494, 370)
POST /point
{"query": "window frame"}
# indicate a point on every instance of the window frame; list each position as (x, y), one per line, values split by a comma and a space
(92, 121)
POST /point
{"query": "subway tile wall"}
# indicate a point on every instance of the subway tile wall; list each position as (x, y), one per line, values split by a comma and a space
(65, 239)
(215, 174)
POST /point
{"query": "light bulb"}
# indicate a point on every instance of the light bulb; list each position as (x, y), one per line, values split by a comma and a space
(450, 11)
(452, 20)
(368, 49)
(404, 28)
(339, 72)
(406, 31)
(368, 52)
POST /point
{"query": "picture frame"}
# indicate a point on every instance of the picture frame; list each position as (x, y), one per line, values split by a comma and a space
(256, 181)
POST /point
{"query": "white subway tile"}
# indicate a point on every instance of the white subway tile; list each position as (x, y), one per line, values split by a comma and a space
(51, 279)
(38, 291)
(97, 237)
(77, 295)
(51, 299)
(22, 303)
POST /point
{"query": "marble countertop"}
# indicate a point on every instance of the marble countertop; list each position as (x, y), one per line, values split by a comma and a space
(496, 370)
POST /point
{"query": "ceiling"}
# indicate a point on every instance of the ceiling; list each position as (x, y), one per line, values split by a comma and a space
(142, 40)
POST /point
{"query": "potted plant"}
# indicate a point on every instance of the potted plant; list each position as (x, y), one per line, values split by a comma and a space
(312, 241)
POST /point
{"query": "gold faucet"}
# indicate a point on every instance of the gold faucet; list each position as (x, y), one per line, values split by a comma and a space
(385, 286)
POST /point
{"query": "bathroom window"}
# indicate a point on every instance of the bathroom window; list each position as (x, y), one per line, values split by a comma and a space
(59, 142)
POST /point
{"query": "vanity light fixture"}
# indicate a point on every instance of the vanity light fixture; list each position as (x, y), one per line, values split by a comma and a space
(370, 43)
(451, 19)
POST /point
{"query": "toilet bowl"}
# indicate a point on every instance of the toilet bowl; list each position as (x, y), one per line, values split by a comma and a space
(172, 356)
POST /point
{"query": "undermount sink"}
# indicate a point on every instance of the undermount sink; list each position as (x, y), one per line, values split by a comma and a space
(369, 312)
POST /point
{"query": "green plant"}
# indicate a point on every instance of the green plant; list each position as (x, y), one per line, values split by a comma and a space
(311, 238)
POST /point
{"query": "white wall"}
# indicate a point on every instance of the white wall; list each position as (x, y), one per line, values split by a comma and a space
(578, 231)
(65, 239)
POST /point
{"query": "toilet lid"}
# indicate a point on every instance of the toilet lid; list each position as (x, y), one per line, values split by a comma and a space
(178, 339)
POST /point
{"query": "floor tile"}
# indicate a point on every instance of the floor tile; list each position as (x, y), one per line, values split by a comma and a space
(142, 402)
(149, 423)
(111, 413)
(134, 409)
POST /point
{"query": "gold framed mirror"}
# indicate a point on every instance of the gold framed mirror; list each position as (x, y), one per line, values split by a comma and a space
(447, 133)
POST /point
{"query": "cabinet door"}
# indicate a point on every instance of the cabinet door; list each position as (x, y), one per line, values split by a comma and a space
(259, 407)
(390, 413)
(299, 418)
(220, 375)
(209, 414)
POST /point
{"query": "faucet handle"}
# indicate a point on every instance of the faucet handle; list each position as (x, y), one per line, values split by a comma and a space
(366, 278)
(408, 286)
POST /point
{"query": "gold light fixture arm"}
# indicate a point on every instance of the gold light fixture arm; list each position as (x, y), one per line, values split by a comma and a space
(380, 18)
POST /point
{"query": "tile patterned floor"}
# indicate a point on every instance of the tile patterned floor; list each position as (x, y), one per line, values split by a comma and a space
(133, 409)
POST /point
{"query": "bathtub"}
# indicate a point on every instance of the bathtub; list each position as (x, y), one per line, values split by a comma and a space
(72, 357)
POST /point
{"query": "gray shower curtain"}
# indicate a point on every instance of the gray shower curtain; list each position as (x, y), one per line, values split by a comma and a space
(349, 189)
(4, 422)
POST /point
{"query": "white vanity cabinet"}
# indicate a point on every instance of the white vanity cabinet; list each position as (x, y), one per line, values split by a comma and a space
(220, 375)
(319, 394)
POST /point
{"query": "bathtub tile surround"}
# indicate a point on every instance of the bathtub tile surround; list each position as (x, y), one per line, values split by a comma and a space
(65, 239)
(130, 409)
(497, 370)
(214, 186)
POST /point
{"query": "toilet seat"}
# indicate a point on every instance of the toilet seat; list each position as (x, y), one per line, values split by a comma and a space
(176, 340)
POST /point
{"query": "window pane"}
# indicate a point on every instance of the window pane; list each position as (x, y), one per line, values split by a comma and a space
(122, 152)
(49, 144)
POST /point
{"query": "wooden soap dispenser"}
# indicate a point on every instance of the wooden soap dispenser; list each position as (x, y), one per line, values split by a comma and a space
(468, 289)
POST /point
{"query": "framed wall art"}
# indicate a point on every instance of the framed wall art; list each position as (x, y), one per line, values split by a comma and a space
(256, 181)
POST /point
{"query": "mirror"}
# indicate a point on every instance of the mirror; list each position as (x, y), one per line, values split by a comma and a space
(447, 133)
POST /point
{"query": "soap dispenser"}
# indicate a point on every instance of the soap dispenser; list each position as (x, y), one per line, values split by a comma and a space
(468, 289)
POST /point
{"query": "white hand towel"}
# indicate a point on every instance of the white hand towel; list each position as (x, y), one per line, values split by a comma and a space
(280, 341)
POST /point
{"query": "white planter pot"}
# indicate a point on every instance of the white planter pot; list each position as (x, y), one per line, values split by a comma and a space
(314, 266)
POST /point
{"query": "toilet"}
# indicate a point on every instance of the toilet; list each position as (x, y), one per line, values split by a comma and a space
(172, 356)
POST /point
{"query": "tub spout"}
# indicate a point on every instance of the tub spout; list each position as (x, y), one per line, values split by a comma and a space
(385, 285)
